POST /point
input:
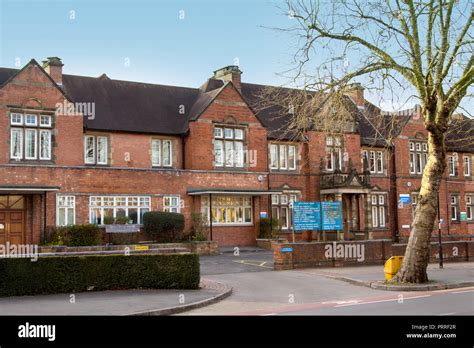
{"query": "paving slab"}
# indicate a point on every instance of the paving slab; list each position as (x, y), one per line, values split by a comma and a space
(116, 302)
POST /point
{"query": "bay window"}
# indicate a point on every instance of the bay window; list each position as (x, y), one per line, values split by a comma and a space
(30, 139)
(108, 208)
(228, 210)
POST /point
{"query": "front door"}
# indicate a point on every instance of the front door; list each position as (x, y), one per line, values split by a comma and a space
(12, 219)
(12, 226)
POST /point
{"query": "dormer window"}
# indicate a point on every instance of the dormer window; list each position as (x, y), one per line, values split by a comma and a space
(229, 147)
(30, 136)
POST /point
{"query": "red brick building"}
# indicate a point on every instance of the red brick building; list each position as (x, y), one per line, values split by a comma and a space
(126, 148)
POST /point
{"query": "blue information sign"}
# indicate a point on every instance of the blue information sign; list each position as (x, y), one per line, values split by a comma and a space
(306, 216)
(404, 198)
(332, 216)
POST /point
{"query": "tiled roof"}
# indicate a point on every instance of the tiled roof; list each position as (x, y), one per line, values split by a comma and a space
(151, 108)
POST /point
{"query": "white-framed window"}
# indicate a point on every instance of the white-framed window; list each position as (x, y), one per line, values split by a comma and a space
(455, 207)
(453, 165)
(379, 209)
(380, 166)
(372, 162)
(45, 121)
(273, 156)
(228, 210)
(418, 157)
(65, 210)
(30, 141)
(31, 120)
(172, 204)
(95, 149)
(283, 156)
(105, 209)
(281, 208)
(16, 119)
(470, 206)
(161, 152)
(333, 153)
(467, 165)
(229, 147)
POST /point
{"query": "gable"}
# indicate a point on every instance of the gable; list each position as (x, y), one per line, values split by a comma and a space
(227, 105)
(31, 87)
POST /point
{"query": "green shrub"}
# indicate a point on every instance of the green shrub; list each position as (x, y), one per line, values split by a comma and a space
(52, 236)
(81, 235)
(269, 229)
(124, 238)
(70, 274)
(163, 227)
(200, 230)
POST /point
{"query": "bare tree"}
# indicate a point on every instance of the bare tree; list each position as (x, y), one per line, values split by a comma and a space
(423, 46)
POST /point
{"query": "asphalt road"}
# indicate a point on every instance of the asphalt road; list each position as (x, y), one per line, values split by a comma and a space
(258, 290)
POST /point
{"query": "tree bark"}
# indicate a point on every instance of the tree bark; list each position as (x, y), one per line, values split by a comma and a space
(417, 254)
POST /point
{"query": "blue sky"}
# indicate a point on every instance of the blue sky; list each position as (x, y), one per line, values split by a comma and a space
(149, 41)
(160, 47)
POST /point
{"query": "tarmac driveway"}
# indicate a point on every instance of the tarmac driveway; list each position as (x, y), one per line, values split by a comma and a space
(248, 260)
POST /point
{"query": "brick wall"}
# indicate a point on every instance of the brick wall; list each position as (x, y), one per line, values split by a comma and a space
(305, 255)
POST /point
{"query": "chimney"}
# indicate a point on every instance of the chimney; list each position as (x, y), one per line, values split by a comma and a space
(54, 67)
(230, 73)
(356, 92)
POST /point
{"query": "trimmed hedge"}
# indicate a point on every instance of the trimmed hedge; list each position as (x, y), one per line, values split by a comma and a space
(70, 274)
(164, 227)
(82, 235)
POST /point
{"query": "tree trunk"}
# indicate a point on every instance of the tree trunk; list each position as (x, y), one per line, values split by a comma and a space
(417, 254)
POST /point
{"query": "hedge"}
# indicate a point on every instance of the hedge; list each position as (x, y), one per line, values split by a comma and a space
(70, 274)
(164, 227)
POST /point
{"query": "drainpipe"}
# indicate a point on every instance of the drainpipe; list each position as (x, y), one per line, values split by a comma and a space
(210, 216)
(44, 213)
(393, 179)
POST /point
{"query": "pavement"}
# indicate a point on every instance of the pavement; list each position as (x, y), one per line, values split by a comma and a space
(243, 282)
(116, 302)
(259, 290)
(453, 275)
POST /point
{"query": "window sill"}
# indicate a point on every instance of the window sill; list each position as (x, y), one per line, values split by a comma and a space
(33, 161)
(214, 224)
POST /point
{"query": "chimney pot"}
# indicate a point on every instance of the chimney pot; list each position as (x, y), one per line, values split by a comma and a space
(54, 67)
(230, 73)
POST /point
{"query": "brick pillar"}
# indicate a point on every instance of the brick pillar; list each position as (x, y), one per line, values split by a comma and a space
(354, 212)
